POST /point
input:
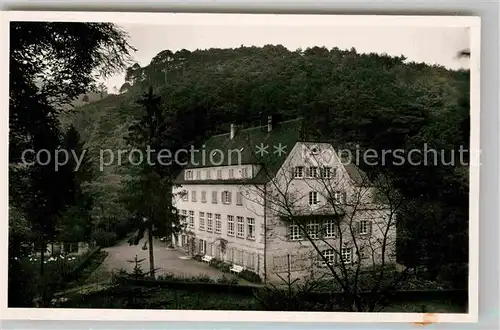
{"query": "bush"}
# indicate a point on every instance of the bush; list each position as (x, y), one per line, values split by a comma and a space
(250, 276)
(104, 238)
(227, 280)
(455, 275)
(220, 265)
(197, 257)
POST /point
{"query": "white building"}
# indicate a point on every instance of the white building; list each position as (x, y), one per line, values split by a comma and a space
(265, 199)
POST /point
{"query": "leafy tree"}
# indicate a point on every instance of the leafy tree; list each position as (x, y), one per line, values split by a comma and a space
(51, 64)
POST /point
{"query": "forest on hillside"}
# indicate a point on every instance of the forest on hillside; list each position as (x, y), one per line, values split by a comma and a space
(355, 101)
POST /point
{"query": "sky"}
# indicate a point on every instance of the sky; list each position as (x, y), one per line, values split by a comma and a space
(431, 45)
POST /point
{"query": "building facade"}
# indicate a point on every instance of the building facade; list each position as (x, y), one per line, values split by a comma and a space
(266, 199)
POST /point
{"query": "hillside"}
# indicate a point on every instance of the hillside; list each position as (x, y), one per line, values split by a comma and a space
(367, 101)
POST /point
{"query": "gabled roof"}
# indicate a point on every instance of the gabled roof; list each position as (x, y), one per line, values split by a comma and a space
(357, 175)
(246, 142)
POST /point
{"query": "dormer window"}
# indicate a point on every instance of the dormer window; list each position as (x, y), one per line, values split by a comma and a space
(188, 175)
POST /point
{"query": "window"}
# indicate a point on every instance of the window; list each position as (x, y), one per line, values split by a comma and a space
(189, 175)
(239, 198)
(231, 173)
(219, 174)
(210, 224)
(230, 225)
(251, 228)
(218, 224)
(298, 172)
(198, 175)
(312, 229)
(329, 229)
(183, 218)
(226, 197)
(313, 172)
(329, 255)
(363, 227)
(203, 196)
(202, 221)
(240, 227)
(191, 219)
(214, 197)
(244, 172)
(207, 174)
(338, 197)
(203, 249)
(326, 172)
(313, 198)
(193, 196)
(185, 195)
(346, 254)
(295, 233)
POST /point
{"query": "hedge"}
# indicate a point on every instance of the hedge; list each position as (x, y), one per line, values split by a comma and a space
(456, 295)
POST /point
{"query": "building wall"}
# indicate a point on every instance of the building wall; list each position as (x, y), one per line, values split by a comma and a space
(244, 250)
(300, 256)
(267, 204)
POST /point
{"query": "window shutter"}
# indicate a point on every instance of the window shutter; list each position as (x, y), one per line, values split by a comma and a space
(336, 252)
(369, 228)
(344, 197)
(230, 197)
(355, 227)
(222, 197)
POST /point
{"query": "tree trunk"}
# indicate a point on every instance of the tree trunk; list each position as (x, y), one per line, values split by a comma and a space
(151, 252)
(42, 256)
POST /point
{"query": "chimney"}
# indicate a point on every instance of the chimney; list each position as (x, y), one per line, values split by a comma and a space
(269, 123)
(233, 131)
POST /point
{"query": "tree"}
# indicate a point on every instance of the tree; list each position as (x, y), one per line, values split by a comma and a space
(102, 90)
(148, 192)
(75, 222)
(51, 64)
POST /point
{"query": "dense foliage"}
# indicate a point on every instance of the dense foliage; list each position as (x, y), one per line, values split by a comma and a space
(51, 63)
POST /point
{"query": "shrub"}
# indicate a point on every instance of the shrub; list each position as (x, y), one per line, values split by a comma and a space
(104, 238)
(454, 275)
(227, 280)
(220, 265)
(250, 276)
(197, 257)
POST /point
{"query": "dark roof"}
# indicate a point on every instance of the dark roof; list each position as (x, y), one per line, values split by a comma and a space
(357, 175)
(286, 134)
